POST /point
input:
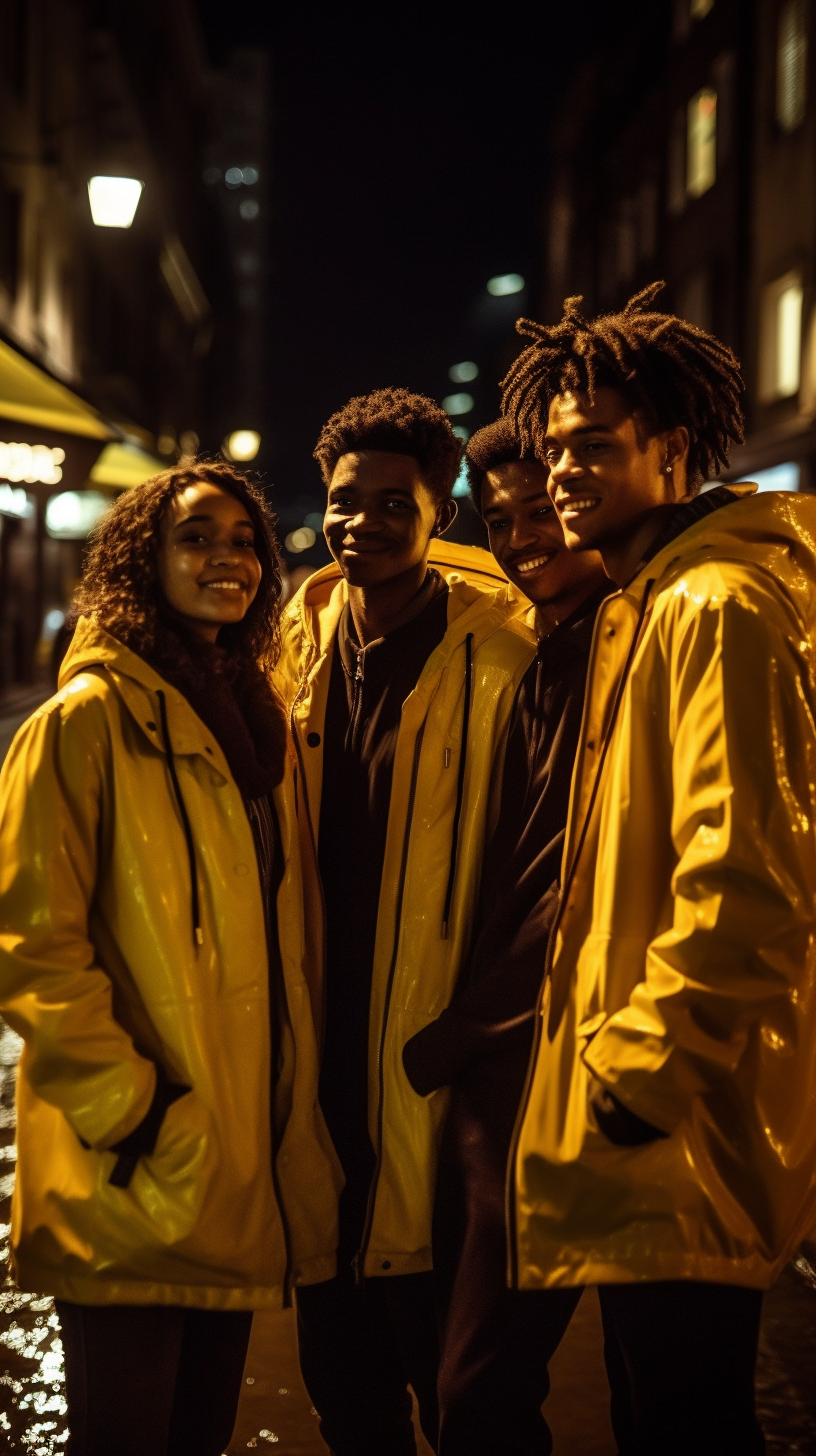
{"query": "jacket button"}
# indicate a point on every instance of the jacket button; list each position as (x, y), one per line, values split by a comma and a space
(241, 869)
(386, 1263)
(313, 740)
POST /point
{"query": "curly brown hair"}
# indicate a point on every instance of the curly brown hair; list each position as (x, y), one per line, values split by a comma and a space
(671, 372)
(493, 445)
(120, 582)
(398, 421)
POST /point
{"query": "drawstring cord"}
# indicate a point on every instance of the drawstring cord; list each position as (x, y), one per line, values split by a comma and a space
(198, 935)
(460, 783)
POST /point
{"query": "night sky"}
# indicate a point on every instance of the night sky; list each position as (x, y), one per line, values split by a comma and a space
(409, 155)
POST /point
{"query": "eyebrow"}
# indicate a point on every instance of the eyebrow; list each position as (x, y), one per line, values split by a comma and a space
(585, 430)
(534, 495)
(188, 520)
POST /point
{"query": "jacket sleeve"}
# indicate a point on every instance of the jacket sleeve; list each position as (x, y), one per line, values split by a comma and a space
(740, 797)
(53, 991)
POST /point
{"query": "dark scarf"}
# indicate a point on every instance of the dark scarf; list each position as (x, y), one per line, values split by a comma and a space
(236, 702)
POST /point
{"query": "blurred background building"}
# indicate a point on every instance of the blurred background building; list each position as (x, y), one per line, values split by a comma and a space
(116, 299)
(688, 153)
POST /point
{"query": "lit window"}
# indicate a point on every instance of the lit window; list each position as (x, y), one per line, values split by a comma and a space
(701, 142)
(781, 338)
(791, 65)
(700, 8)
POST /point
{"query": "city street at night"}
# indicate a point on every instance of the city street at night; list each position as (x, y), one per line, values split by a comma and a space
(408, 729)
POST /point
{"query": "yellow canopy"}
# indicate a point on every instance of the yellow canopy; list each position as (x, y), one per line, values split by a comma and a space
(31, 396)
(122, 466)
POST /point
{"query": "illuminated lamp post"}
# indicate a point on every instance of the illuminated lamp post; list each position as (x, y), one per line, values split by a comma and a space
(114, 200)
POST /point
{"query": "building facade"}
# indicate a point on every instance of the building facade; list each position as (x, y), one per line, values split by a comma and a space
(687, 152)
(126, 320)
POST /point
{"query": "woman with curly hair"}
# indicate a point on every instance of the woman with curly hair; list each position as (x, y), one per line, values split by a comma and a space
(174, 1171)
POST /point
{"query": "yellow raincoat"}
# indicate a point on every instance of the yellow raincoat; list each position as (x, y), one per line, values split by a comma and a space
(683, 970)
(100, 975)
(415, 962)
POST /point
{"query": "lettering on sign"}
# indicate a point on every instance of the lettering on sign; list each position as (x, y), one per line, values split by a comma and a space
(31, 463)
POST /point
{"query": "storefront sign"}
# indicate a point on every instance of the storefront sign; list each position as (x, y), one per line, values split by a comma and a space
(31, 463)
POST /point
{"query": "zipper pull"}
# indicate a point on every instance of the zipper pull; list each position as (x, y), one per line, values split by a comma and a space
(447, 757)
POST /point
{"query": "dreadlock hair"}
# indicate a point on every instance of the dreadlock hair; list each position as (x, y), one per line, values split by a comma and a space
(493, 445)
(669, 371)
(400, 422)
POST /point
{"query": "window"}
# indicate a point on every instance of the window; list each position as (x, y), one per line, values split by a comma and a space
(694, 299)
(791, 65)
(700, 8)
(701, 142)
(781, 338)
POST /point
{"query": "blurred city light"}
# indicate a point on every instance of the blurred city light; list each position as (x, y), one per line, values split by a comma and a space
(15, 502)
(249, 209)
(72, 514)
(701, 142)
(251, 175)
(461, 432)
(457, 404)
(31, 463)
(242, 445)
(778, 477)
(314, 521)
(301, 539)
(461, 485)
(114, 200)
(504, 284)
(233, 177)
(463, 373)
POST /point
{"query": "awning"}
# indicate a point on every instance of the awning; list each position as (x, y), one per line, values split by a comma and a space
(32, 397)
(123, 466)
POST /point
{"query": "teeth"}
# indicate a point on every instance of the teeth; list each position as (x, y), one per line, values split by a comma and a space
(578, 503)
(224, 585)
(525, 566)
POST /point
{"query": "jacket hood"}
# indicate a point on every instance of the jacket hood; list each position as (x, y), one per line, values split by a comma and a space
(774, 531)
(92, 646)
(481, 599)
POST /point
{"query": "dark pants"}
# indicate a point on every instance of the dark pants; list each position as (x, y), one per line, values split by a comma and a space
(360, 1349)
(680, 1357)
(151, 1381)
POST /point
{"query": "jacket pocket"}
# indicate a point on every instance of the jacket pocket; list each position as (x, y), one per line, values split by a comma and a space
(171, 1184)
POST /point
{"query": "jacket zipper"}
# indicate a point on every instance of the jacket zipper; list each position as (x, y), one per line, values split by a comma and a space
(287, 1242)
(359, 1258)
(510, 1180)
(301, 693)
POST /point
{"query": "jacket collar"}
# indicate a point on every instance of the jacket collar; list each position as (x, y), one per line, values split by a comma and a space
(138, 684)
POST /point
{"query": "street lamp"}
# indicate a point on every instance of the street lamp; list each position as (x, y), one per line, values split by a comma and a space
(114, 200)
(242, 445)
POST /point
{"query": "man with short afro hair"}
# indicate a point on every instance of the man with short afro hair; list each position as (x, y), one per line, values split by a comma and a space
(494, 445)
(400, 663)
(401, 423)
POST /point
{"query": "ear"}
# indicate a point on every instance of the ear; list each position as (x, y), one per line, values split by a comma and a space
(445, 516)
(676, 445)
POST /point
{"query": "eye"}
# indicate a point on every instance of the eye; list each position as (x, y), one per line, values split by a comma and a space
(193, 537)
(544, 511)
(396, 504)
(499, 525)
(552, 456)
(340, 503)
(243, 541)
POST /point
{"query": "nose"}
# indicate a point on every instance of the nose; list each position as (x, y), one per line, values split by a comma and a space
(224, 553)
(362, 523)
(522, 533)
(565, 469)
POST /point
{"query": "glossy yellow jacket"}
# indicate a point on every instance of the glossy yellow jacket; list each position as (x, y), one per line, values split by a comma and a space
(100, 976)
(683, 970)
(415, 961)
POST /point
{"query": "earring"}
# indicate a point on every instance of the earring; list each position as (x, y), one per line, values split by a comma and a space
(668, 469)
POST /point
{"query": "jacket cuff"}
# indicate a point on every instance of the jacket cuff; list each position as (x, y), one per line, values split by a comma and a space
(141, 1142)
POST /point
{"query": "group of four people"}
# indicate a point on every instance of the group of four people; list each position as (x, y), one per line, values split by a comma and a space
(440, 945)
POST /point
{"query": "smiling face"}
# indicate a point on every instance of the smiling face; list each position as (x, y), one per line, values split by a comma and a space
(608, 477)
(208, 570)
(527, 540)
(380, 517)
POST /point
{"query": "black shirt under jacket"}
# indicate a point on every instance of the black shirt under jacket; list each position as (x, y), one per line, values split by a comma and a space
(491, 1017)
(367, 689)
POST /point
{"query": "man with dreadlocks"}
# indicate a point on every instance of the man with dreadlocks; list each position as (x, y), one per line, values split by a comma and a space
(666, 1149)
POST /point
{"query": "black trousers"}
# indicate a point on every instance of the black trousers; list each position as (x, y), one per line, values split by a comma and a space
(680, 1357)
(361, 1346)
(150, 1380)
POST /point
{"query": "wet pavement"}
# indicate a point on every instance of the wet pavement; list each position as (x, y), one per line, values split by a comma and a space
(275, 1409)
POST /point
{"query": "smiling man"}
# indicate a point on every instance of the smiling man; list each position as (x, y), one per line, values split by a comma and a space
(495, 1346)
(667, 1144)
(401, 662)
